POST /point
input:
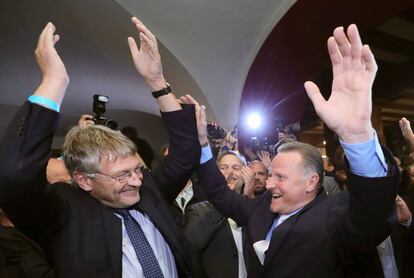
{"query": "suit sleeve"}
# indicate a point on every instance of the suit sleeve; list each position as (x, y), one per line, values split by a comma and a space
(228, 202)
(184, 152)
(370, 211)
(25, 150)
(24, 154)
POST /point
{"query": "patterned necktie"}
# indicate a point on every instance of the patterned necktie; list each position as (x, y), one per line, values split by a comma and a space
(143, 249)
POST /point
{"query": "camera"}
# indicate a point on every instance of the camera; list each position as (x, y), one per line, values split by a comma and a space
(99, 108)
(215, 132)
(288, 129)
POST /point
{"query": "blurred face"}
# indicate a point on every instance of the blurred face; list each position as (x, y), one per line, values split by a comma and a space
(287, 182)
(230, 166)
(118, 182)
(260, 177)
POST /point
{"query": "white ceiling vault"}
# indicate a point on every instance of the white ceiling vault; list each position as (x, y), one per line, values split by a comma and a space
(207, 48)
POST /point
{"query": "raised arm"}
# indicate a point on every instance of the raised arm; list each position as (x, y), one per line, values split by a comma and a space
(147, 61)
(348, 113)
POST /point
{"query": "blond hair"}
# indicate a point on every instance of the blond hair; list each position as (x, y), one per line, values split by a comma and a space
(84, 148)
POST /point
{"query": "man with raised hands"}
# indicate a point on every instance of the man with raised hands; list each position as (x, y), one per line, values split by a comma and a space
(114, 221)
(293, 229)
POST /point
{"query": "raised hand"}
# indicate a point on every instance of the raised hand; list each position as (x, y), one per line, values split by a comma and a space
(200, 117)
(147, 58)
(347, 112)
(407, 132)
(54, 76)
(265, 158)
(405, 127)
(248, 178)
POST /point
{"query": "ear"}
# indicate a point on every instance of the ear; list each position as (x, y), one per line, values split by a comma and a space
(313, 182)
(82, 180)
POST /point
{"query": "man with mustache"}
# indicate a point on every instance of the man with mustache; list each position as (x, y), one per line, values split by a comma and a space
(219, 241)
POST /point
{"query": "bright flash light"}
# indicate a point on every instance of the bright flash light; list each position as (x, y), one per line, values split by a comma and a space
(254, 121)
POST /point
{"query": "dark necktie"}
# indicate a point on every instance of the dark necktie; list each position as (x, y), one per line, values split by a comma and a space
(143, 249)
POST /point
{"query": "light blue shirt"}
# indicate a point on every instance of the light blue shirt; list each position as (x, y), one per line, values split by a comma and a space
(130, 264)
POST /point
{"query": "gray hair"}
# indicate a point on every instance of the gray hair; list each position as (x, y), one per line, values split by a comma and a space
(311, 158)
(227, 152)
(84, 147)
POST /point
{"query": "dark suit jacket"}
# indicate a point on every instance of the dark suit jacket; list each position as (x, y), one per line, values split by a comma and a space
(198, 196)
(209, 233)
(21, 257)
(81, 236)
(312, 242)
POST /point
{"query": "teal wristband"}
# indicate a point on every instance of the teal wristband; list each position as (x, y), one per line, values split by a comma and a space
(44, 102)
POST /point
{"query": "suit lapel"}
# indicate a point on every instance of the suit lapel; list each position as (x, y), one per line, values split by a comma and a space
(278, 236)
(280, 232)
(261, 222)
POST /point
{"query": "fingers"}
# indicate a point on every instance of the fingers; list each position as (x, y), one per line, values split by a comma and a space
(356, 45)
(369, 59)
(347, 52)
(188, 99)
(56, 38)
(344, 47)
(315, 95)
(47, 37)
(86, 121)
(142, 28)
(133, 47)
(334, 54)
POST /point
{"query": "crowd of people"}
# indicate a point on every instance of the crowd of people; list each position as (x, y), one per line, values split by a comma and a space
(101, 211)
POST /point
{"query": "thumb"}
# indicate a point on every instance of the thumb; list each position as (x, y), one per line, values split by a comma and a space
(314, 94)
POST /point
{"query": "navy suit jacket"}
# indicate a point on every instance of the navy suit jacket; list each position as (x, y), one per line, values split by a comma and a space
(313, 242)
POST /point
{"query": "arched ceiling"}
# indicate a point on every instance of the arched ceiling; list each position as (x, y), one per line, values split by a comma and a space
(234, 56)
(206, 47)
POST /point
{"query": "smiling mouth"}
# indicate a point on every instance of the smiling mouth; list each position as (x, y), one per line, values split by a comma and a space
(276, 196)
(129, 190)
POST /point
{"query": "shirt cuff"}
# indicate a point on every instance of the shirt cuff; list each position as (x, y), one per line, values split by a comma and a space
(206, 154)
(366, 159)
(46, 102)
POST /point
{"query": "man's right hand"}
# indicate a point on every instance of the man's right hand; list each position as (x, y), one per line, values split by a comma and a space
(54, 76)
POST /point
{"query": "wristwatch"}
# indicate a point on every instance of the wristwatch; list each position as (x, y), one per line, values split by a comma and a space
(164, 91)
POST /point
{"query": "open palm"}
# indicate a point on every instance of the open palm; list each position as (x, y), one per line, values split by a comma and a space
(348, 110)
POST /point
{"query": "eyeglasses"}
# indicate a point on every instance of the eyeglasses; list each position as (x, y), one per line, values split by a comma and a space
(124, 177)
